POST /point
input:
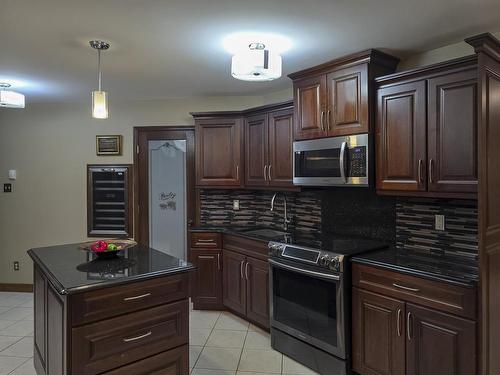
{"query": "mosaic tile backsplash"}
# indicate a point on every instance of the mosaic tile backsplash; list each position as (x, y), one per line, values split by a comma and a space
(406, 222)
(217, 209)
(415, 226)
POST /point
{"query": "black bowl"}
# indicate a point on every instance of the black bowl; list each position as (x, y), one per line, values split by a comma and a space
(106, 254)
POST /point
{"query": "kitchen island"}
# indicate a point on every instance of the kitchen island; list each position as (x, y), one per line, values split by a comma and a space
(127, 315)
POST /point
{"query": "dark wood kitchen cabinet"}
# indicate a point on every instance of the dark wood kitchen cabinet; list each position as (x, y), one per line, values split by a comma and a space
(268, 149)
(426, 131)
(219, 152)
(245, 148)
(234, 285)
(206, 254)
(401, 137)
(439, 344)
(405, 325)
(246, 279)
(333, 99)
(378, 336)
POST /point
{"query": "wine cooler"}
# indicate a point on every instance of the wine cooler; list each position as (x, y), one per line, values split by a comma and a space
(109, 205)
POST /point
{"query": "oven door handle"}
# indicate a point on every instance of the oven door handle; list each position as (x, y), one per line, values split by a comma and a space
(303, 271)
(342, 161)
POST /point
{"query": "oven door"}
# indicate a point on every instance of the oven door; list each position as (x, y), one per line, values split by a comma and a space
(308, 305)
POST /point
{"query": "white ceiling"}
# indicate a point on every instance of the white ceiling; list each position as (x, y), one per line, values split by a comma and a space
(173, 48)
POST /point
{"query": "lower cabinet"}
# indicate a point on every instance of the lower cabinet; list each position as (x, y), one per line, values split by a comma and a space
(377, 336)
(392, 336)
(207, 280)
(246, 286)
(439, 344)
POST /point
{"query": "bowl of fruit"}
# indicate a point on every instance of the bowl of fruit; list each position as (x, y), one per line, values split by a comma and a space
(106, 249)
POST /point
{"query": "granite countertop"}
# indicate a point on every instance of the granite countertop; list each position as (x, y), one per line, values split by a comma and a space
(440, 267)
(241, 231)
(72, 270)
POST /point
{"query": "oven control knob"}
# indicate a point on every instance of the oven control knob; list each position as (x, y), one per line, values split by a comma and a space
(324, 261)
(335, 264)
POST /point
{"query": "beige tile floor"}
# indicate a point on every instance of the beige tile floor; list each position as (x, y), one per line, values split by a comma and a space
(220, 343)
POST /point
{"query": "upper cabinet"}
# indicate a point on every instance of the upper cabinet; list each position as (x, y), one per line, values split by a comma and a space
(334, 99)
(219, 152)
(268, 149)
(248, 148)
(426, 131)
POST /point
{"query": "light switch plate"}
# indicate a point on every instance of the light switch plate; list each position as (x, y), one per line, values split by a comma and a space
(236, 204)
(439, 222)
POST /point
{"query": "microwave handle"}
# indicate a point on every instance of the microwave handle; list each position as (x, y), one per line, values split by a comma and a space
(342, 161)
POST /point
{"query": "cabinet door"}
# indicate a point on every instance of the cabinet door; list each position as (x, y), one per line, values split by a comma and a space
(378, 341)
(234, 294)
(439, 344)
(309, 97)
(452, 126)
(257, 279)
(348, 101)
(207, 290)
(219, 156)
(401, 137)
(256, 151)
(280, 170)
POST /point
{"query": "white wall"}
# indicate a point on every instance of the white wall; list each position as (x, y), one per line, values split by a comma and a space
(50, 145)
(451, 51)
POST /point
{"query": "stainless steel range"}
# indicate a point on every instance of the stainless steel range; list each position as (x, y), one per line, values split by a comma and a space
(310, 301)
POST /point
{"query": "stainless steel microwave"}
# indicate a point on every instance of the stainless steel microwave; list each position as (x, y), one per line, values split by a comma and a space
(336, 161)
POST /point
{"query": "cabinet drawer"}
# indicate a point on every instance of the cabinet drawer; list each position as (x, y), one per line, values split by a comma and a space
(206, 240)
(441, 296)
(109, 302)
(175, 361)
(116, 342)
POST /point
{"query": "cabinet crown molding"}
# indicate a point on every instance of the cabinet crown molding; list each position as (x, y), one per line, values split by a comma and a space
(485, 43)
(368, 56)
(244, 112)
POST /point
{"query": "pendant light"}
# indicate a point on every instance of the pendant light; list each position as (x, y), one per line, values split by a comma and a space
(256, 64)
(10, 99)
(99, 97)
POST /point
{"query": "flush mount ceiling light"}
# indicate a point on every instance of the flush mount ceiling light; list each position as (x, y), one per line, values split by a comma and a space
(99, 97)
(256, 64)
(10, 99)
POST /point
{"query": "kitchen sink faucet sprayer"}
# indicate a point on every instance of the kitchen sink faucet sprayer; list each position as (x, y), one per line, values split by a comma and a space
(286, 220)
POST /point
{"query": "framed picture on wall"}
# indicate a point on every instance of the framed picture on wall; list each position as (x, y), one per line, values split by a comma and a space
(108, 145)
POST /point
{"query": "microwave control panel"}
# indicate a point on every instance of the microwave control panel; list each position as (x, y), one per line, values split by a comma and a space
(357, 161)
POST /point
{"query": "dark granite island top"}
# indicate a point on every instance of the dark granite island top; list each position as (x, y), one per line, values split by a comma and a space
(71, 269)
(128, 315)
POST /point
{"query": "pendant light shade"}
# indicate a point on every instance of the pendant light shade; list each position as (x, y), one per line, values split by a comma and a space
(99, 97)
(256, 64)
(10, 99)
(100, 104)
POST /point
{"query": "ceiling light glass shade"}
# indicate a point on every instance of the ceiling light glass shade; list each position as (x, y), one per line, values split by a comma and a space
(99, 104)
(11, 99)
(256, 65)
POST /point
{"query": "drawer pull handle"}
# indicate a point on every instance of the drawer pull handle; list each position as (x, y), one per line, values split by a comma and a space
(399, 322)
(137, 297)
(138, 337)
(415, 290)
(206, 241)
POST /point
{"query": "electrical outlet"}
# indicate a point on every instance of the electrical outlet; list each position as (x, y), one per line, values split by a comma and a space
(7, 188)
(439, 222)
(16, 266)
(236, 204)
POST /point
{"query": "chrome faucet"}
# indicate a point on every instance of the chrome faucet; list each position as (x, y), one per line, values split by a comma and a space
(286, 219)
